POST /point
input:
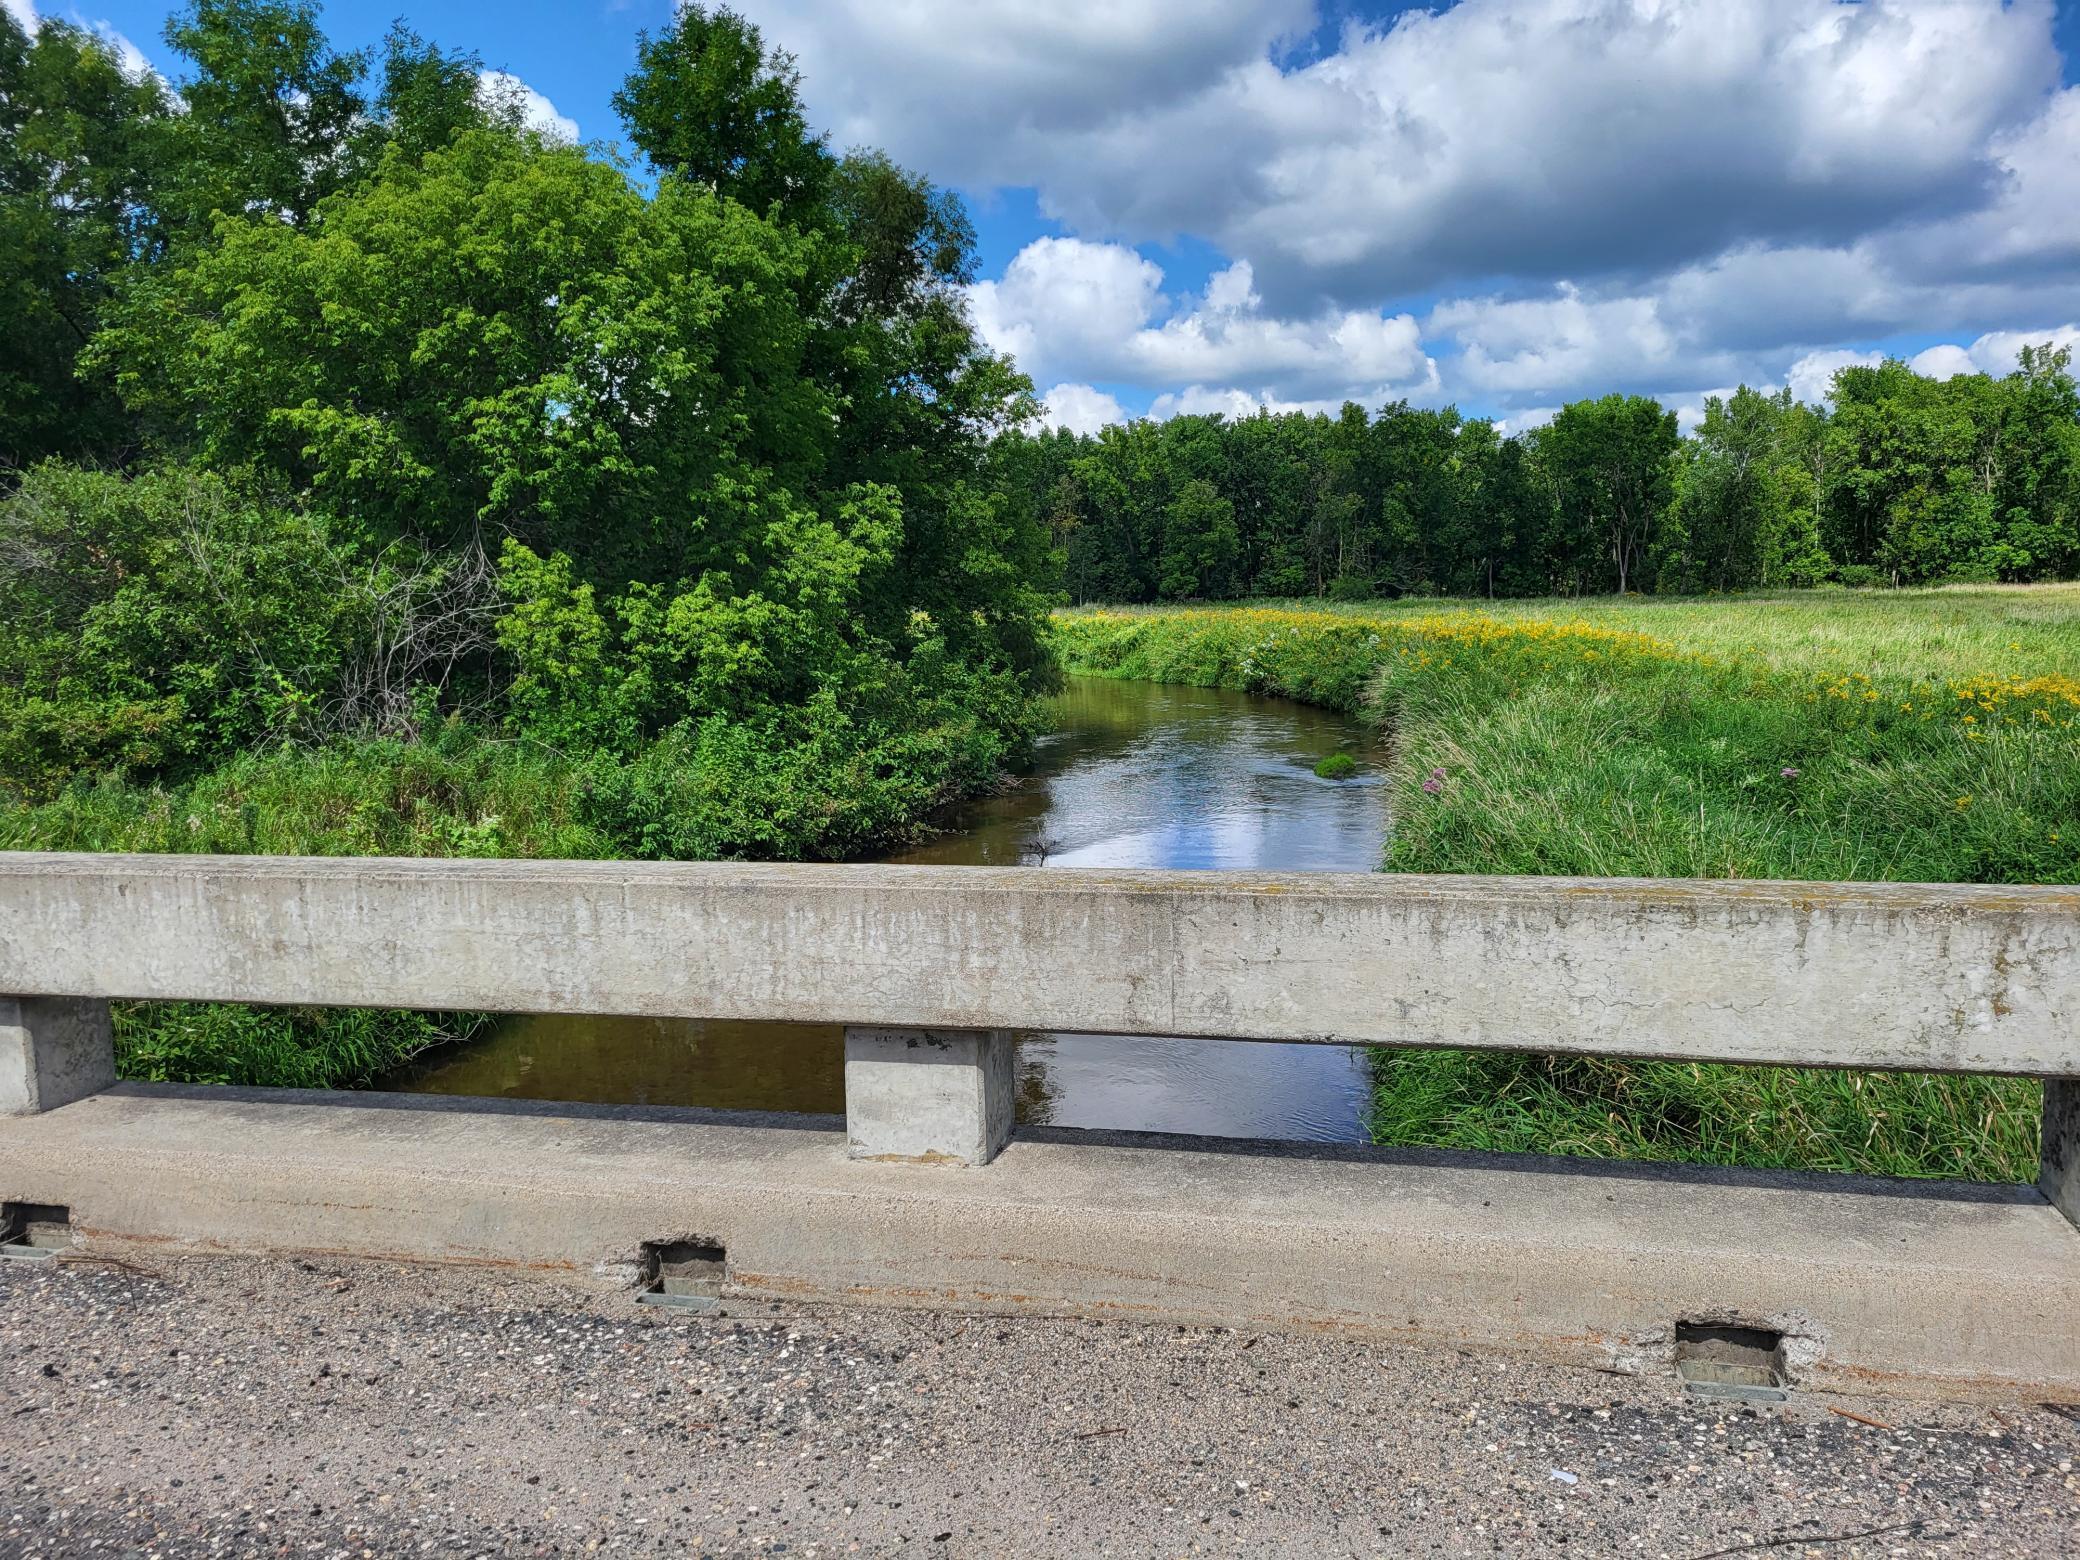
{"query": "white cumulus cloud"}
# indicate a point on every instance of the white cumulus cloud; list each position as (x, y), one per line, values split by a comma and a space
(1487, 138)
(1812, 377)
(1080, 408)
(1075, 311)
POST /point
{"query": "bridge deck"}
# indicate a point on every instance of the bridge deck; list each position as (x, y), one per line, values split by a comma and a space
(1945, 1289)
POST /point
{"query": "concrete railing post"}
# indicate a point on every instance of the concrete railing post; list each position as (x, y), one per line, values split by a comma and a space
(53, 1050)
(929, 1095)
(2059, 1179)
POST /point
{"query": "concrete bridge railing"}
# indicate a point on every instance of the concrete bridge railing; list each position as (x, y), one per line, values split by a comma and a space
(932, 968)
(1832, 1281)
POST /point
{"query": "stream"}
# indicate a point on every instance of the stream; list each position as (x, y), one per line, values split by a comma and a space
(1132, 775)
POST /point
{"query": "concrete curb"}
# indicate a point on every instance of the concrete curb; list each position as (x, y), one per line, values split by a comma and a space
(1914, 1289)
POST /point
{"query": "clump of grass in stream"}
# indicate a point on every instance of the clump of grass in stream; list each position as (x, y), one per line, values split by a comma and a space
(1575, 744)
(1337, 766)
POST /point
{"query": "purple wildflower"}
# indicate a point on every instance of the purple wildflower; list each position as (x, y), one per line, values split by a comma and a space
(1433, 785)
(1788, 774)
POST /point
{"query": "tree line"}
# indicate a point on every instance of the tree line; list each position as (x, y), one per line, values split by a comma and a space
(1905, 480)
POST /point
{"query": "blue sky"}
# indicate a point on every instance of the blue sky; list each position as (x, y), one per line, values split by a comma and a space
(1504, 204)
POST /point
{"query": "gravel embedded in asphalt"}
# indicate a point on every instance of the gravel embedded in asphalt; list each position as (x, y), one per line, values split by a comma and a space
(227, 1406)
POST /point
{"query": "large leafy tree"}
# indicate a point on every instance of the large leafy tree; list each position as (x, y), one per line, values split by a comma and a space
(79, 171)
(426, 97)
(2036, 461)
(500, 338)
(1743, 513)
(709, 103)
(1609, 465)
(715, 110)
(1969, 477)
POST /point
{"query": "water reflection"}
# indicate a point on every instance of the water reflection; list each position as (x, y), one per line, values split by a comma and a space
(1134, 775)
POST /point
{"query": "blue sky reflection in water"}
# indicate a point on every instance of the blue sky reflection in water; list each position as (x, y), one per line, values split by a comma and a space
(1135, 775)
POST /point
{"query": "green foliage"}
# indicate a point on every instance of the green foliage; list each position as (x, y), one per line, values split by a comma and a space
(503, 336)
(1607, 464)
(151, 624)
(275, 1048)
(1200, 543)
(463, 497)
(824, 779)
(1964, 478)
(1909, 481)
(269, 110)
(1337, 766)
(427, 97)
(80, 154)
(709, 104)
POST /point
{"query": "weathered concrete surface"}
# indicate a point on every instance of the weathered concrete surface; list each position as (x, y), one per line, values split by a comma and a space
(1972, 979)
(53, 1050)
(2060, 1178)
(1939, 1290)
(358, 1409)
(933, 1096)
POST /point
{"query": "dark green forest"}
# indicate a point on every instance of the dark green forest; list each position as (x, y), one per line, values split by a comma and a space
(1906, 481)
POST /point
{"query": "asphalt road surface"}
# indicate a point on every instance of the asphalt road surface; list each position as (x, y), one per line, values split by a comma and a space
(227, 1406)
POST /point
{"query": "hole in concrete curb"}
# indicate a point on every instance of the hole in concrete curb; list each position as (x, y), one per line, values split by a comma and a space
(686, 1275)
(34, 1232)
(1742, 1364)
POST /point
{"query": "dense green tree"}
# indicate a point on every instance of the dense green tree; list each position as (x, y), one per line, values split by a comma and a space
(885, 266)
(500, 337)
(1910, 480)
(80, 145)
(1200, 543)
(709, 103)
(1116, 553)
(1743, 514)
(1500, 515)
(1608, 463)
(2036, 466)
(1411, 462)
(1964, 478)
(163, 621)
(427, 96)
(271, 112)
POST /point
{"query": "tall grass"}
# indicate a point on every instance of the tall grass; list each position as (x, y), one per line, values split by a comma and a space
(283, 1048)
(1932, 737)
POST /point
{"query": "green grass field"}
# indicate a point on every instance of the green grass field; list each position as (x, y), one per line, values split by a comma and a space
(1923, 736)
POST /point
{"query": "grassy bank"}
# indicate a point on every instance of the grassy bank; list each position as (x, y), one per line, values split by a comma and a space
(1926, 736)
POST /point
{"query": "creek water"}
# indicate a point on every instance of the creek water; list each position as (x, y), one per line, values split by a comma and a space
(1132, 775)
